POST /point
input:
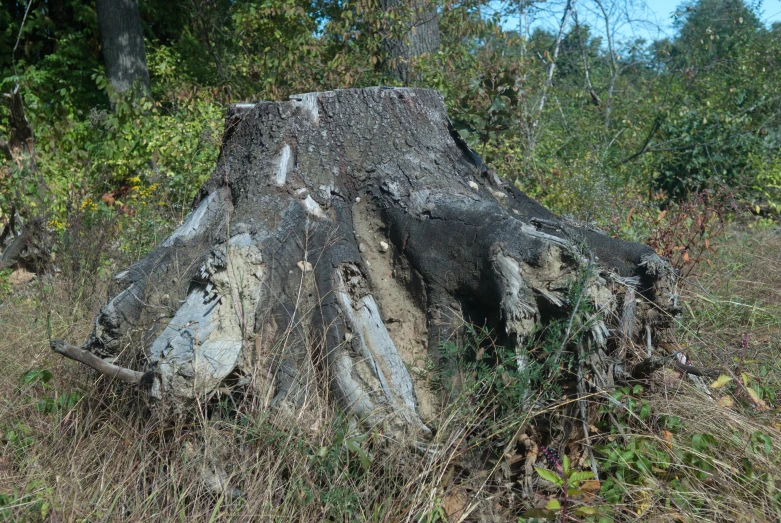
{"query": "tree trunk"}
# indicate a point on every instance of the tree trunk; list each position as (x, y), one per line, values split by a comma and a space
(412, 33)
(343, 237)
(21, 139)
(122, 42)
(26, 244)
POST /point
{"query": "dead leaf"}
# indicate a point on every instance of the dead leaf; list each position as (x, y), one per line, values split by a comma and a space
(726, 402)
(668, 438)
(455, 502)
(761, 405)
(20, 277)
(720, 381)
(591, 485)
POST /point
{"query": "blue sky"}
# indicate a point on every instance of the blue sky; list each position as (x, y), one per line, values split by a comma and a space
(664, 9)
(649, 19)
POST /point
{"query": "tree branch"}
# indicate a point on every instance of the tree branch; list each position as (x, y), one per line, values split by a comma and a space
(552, 64)
(650, 365)
(87, 358)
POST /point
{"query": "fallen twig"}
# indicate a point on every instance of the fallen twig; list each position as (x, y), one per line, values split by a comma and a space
(87, 358)
(650, 365)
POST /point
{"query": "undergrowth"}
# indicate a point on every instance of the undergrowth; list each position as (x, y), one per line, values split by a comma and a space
(78, 447)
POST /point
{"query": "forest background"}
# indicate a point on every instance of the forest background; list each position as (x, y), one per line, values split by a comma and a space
(599, 117)
(672, 142)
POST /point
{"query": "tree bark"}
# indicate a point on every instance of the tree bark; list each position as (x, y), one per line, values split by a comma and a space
(122, 42)
(343, 237)
(412, 33)
(21, 139)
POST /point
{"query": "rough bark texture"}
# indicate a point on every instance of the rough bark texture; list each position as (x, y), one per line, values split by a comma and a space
(416, 33)
(122, 42)
(346, 235)
(17, 241)
(26, 245)
(20, 140)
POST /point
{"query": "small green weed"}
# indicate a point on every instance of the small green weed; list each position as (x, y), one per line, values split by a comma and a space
(5, 282)
(570, 483)
(34, 499)
(52, 401)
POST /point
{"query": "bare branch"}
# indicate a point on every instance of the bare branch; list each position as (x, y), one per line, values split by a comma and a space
(594, 97)
(552, 63)
(614, 70)
(87, 358)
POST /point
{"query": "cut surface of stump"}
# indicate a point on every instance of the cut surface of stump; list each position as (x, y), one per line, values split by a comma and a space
(343, 238)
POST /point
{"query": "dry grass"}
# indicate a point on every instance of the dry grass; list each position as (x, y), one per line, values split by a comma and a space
(107, 459)
(719, 463)
(732, 478)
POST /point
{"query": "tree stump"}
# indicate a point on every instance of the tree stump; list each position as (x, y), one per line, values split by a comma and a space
(343, 237)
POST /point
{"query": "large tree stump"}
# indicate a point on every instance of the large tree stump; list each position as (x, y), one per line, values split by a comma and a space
(345, 235)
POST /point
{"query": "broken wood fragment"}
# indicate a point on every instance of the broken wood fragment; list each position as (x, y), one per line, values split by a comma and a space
(129, 376)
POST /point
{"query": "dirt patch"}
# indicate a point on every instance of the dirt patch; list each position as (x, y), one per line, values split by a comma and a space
(20, 277)
(404, 318)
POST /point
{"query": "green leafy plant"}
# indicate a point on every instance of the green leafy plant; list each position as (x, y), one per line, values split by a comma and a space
(52, 401)
(34, 502)
(344, 449)
(569, 482)
(5, 283)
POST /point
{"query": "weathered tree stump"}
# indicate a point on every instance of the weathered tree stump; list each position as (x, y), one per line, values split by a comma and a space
(345, 235)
